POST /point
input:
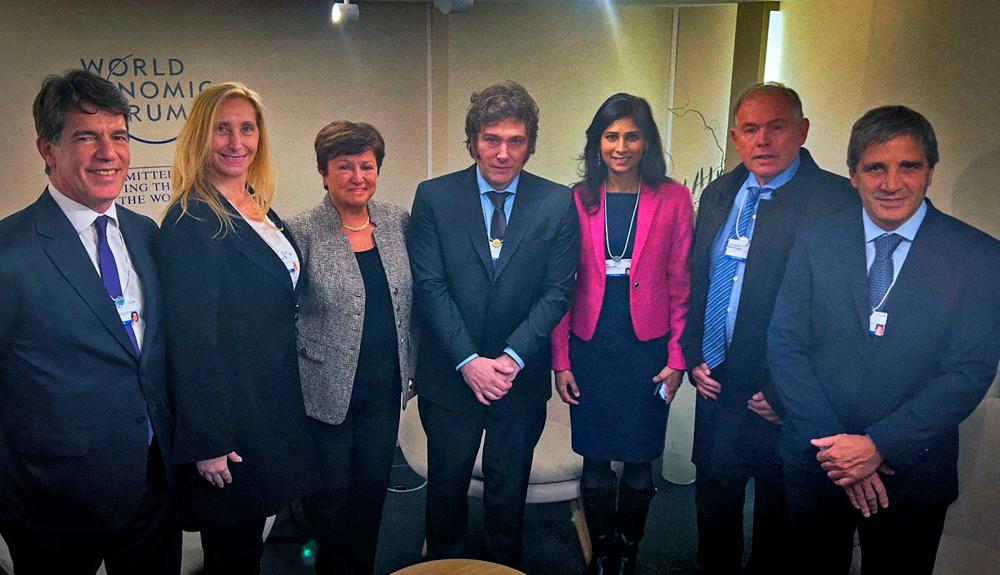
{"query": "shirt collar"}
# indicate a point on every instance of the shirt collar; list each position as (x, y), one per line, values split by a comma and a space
(80, 216)
(778, 181)
(907, 231)
(484, 186)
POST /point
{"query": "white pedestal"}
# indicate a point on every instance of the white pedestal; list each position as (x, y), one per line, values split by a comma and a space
(677, 466)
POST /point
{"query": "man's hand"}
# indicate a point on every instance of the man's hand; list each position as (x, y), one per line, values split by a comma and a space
(759, 405)
(566, 387)
(510, 362)
(706, 386)
(868, 494)
(671, 380)
(216, 470)
(487, 378)
(847, 458)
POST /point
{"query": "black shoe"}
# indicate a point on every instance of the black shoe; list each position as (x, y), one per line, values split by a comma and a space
(633, 506)
(599, 510)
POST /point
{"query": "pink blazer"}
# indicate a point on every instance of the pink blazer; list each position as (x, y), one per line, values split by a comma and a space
(660, 274)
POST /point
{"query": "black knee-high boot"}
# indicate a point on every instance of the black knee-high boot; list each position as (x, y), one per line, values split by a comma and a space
(599, 509)
(633, 506)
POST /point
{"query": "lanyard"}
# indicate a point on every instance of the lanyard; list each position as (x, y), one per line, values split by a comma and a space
(631, 225)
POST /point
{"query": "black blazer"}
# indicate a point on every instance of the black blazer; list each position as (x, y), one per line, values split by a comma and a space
(810, 194)
(75, 396)
(721, 426)
(468, 308)
(908, 389)
(233, 367)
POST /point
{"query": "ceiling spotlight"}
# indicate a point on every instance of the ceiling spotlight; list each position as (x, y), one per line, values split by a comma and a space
(449, 6)
(344, 12)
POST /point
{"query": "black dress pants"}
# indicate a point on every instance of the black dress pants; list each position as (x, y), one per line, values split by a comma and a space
(902, 538)
(356, 455)
(149, 544)
(745, 447)
(453, 440)
(234, 548)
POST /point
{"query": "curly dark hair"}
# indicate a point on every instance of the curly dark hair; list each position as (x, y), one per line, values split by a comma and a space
(507, 100)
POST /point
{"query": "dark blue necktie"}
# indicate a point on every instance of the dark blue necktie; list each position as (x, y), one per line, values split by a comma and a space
(109, 274)
(498, 223)
(880, 274)
(721, 286)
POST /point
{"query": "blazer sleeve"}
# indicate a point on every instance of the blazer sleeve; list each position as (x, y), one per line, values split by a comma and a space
(533, 333)
(679, 274)
(789, 344)
(560, 345)
(190, 276)
(430, 281)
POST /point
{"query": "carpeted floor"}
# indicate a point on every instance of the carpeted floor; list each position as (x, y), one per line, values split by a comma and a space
(551, 546)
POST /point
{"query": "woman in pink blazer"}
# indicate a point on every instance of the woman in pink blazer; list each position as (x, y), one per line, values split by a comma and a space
(616, 354)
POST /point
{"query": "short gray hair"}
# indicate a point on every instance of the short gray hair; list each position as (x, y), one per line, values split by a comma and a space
(774, 88)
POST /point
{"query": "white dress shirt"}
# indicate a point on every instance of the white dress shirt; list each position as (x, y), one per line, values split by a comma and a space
(82, 219)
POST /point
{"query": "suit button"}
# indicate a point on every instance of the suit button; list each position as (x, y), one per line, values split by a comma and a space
(141, 419)
(636, 285)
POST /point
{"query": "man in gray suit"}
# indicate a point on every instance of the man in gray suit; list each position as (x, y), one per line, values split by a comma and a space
(85, 426)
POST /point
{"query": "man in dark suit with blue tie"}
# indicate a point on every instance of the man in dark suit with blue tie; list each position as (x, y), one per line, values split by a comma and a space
(84, 422)
(747, 219)
(886, 336)
(493, 250)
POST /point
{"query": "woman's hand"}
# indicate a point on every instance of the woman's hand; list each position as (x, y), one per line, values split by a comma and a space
(566, 386)
(671, 380)
(216, 470)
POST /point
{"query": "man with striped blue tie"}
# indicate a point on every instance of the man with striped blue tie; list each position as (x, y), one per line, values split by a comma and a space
(746, 222)
(885, 336)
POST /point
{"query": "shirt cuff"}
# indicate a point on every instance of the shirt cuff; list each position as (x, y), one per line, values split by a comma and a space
(513, 354)
(465, 361)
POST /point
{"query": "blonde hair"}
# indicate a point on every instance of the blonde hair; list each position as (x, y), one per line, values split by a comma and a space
(193, 169)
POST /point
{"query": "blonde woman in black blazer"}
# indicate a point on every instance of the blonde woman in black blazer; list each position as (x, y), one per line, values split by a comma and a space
(231, 280)
(354, 343)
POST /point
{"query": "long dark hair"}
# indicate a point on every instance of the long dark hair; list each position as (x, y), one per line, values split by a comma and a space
(652, 166)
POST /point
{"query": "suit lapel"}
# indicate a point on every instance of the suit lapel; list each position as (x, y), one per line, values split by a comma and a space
(522, 215)
(643, 220)
(250, 244)
(597, 232)
(471, 215)
(922, 256)
(856, 266)
(142, 259)
(303, 281)
(67, 253)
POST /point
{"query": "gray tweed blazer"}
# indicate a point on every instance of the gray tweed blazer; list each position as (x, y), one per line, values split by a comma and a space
(331, 313)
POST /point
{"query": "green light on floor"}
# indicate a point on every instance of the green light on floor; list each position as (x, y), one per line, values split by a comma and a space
(309, 552)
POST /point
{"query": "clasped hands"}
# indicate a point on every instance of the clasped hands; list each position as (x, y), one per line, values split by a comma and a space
(854, 463)
(709, 388)
(490, 379)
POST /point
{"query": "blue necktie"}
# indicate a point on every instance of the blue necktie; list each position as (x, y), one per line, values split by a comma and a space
(109, 274)
(880, 274)
(721, 287)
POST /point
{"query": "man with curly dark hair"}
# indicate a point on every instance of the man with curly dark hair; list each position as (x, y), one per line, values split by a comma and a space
(493, 250)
